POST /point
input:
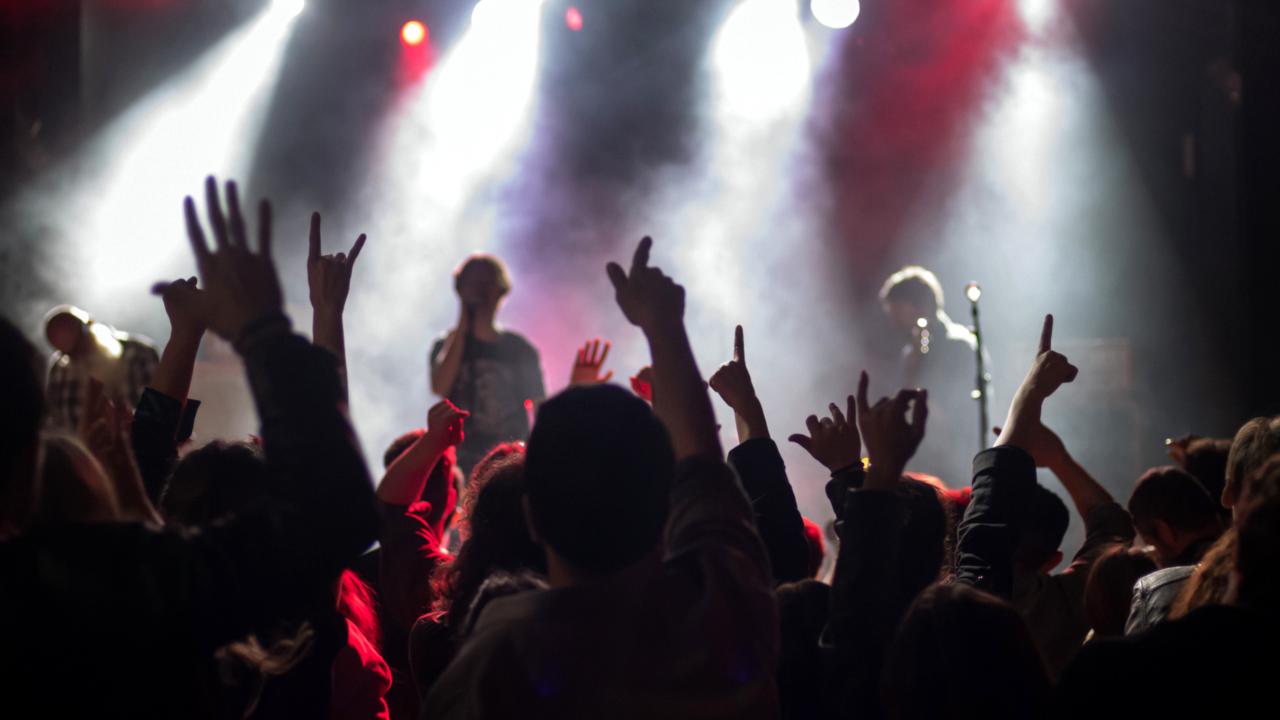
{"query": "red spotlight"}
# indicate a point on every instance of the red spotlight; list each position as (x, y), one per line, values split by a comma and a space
(573, 18)
(413, 33)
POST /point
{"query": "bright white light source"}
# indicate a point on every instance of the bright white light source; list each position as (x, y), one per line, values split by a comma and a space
(973, 291)
(835, 14)
(286, 9)
(761, 59)
(1037, 14)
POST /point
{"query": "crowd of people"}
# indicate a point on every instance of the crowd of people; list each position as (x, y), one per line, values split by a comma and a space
(594, 554)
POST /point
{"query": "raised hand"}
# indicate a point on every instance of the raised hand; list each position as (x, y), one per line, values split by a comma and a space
(445, 423)
(642, 384)
(587, 364)
(732, 382)
(648, 298)
(241, 285)
(891, 440)
(105, 426)
(186, 305)
(1049, 371)
(329, 276)
(833, 441)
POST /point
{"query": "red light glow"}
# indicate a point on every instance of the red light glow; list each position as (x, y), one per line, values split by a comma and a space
(573, 18)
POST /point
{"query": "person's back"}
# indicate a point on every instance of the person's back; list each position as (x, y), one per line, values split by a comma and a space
(661, 602)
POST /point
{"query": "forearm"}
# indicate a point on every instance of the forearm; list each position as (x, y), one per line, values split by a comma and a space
(1003, 481)
(172, 376)
(403, 482)
(154, 436)
(309, 444)
(764, 478)
(1086, 493)
(750, 421)
(444, 372)
(680, 396)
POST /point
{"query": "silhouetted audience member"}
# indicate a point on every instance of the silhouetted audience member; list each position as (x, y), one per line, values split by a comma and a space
(496, 540)
(1174, 515)
(1218, 661)
(1012, 526)
(963, 653)
(1109, 592)
(1206, 459)
(130, 614)
(661, 601)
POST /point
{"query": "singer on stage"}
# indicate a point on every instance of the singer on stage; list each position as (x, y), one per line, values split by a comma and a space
(939, 355)
(480, 368)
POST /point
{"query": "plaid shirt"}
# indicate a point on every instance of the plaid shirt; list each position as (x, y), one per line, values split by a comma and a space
(64, 392)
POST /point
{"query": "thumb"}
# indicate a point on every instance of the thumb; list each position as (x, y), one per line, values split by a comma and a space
(803, 441)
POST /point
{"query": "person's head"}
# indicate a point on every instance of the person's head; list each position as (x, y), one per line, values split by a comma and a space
(495, 536)
(19, 428)
(482, 281)
(598, 473)
(74, 487)
(444, 471)
(1173, 513)
(1255, 442)
(1257, 575)
(1041, 528)
(923, 537)
(951, 644)
(213, 482)
(1206, 460)
(1109, 589)
(67, 328)
(910, 294)
(400, 445)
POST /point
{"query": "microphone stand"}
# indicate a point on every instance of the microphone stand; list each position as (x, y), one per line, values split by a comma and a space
(973, 291)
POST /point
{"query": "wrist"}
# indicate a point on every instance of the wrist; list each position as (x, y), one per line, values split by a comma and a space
(185, 336)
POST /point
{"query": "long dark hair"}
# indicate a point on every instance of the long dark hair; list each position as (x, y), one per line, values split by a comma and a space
(495, 537)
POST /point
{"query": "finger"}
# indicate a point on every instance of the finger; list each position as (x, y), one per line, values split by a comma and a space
(355, 250)
(1046, 334)
(264, 228)
(640, 259)
(340, 258)
(594, 354)
(997, 430)
(580, 359)
(904, 397)
(919, 415)
(607, 377)
(213, 206)
(836, 414)
(604, 354)
(851, 408)
(237, 230)
(617, 276)
(803, 441)
(814, 426)
(313, 239)
(739, 351)
(195, 233)
(863, 381)
(1071, 373)
(158, 288)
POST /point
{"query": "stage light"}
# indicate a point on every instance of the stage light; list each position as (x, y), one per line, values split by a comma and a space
(413, 33)
(1037, 14)
(973, 291)
(573, 19)
(835, 14)
(762, 60)
(287, 9)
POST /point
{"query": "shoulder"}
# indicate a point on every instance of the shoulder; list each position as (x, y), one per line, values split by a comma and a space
(517, 343)
(1163, 577)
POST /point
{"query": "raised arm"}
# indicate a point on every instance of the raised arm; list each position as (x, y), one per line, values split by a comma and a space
(1004, 476)
(655, 303)
(405, 477)
(161, 409)
(317, 514)
(329, 282)
(760, 468)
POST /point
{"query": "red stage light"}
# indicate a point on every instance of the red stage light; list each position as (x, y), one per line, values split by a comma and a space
(573, 18)
(413, 33)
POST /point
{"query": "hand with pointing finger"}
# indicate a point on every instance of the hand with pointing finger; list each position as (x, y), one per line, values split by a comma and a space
(241, 285)
(1049, 371)
(329, 276)
(732, 382)
(649, 299)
